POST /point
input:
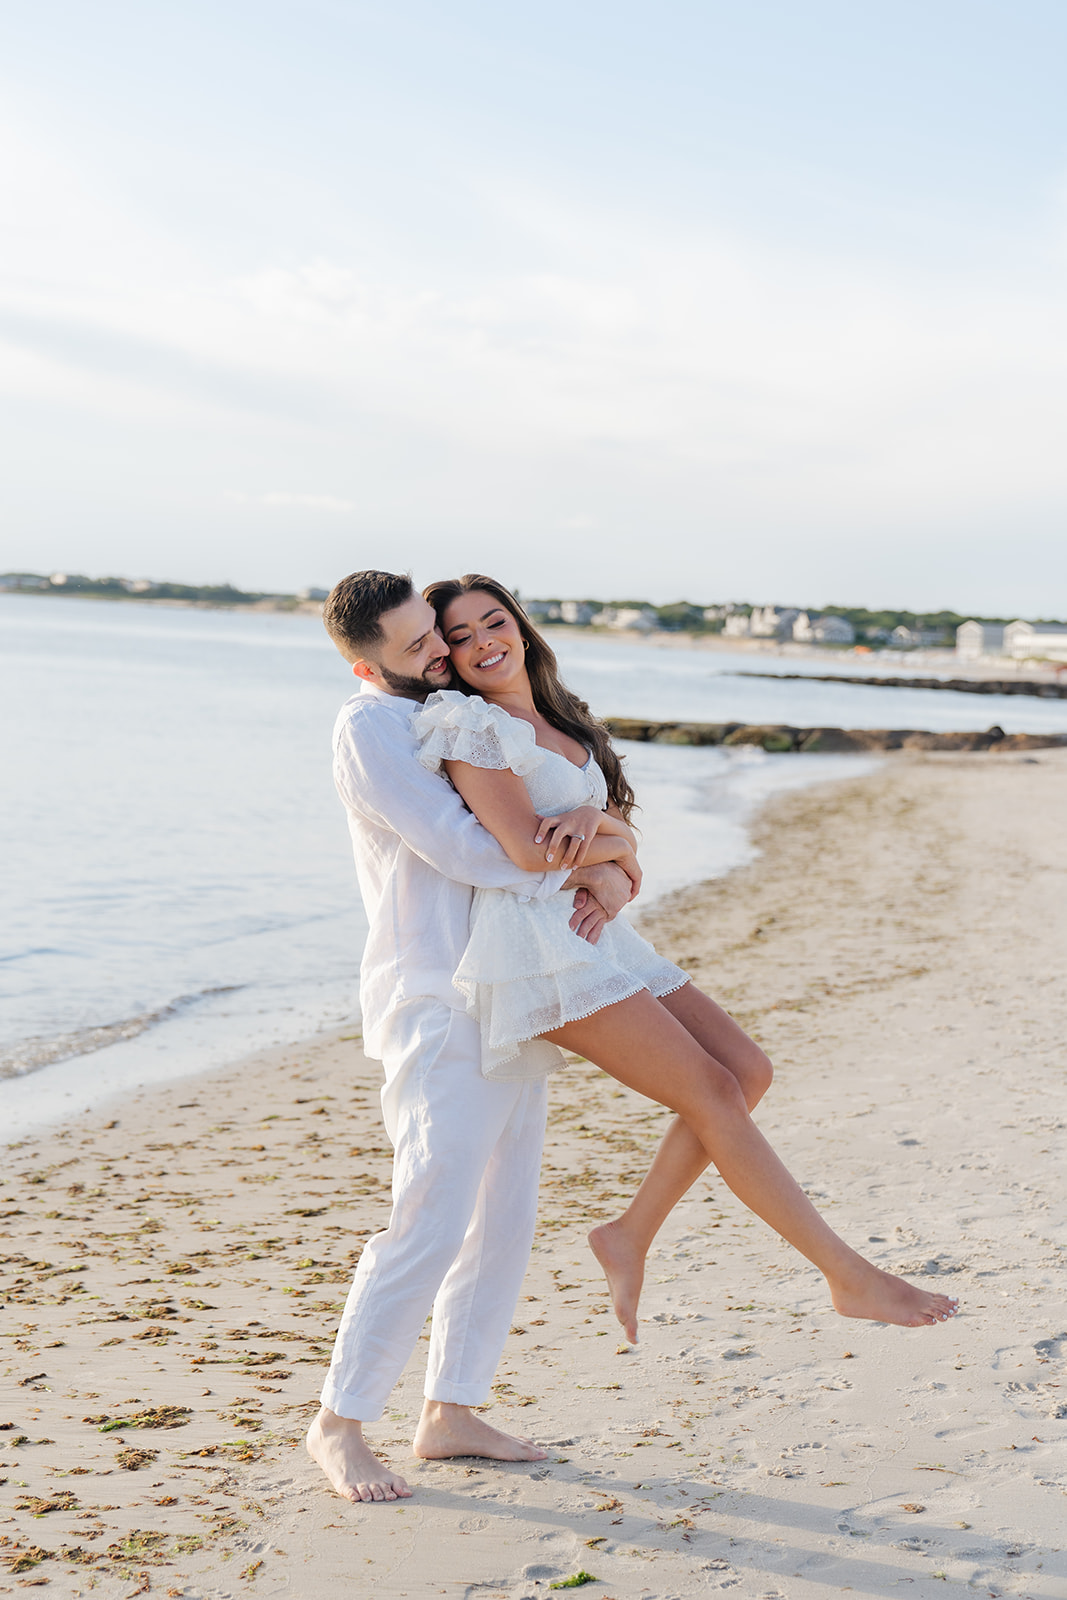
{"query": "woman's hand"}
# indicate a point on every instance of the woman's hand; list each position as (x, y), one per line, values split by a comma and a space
(572, 833)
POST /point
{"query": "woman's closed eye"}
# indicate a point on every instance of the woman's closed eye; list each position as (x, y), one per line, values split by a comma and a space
(465, 638)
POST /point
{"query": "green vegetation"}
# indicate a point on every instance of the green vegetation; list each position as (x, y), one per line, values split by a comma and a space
(872, 627)
(63, 583)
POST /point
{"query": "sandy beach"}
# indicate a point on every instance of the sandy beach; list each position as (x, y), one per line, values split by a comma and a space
(174, 1267)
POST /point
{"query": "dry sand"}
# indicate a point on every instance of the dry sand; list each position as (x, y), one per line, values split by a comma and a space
(900, 950)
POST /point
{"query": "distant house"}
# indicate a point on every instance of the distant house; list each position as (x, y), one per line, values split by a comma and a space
(905, 638)
(1045, 641)
(737, 626)
(640, 619)
(977, 639)
(808, 629)
(772, 622)
(579, 612)
(312, 594)
(544, 610)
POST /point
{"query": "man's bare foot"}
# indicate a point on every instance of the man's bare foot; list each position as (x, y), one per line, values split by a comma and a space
(446, 1430)
(338, 1445)
(624, 1268)
(881, 1297)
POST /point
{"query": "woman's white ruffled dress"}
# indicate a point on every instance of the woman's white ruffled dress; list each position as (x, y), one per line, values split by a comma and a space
(524, 972)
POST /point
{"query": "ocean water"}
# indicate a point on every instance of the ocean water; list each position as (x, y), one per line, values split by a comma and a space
(177, 886)
(667, 684)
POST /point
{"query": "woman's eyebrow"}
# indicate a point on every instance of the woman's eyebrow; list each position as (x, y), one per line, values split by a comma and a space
(483, 618)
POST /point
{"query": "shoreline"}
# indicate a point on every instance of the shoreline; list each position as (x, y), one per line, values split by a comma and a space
(145, 1051)
(978, 671)
(898, 947)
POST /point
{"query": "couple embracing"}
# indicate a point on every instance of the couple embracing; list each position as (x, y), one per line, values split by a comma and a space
(489, 818)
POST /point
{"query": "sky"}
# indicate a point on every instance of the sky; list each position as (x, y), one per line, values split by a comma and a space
(691, 299)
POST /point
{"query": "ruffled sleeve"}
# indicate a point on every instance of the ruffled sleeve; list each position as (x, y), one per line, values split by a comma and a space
(459, 727)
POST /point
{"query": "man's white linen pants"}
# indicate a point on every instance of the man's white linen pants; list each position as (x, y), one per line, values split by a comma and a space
(466, 1166)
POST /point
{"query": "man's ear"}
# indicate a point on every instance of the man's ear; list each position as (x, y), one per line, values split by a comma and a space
(365, 669)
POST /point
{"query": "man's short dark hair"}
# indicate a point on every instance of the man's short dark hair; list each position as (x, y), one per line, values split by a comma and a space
(355, 606)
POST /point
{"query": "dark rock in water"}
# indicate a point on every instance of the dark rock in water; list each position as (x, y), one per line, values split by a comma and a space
(780, 737)
(694, 732)
(1043, 689)
(630, 728)
(775, 738)
(1030, 741)
(947, 741)
(833, 741)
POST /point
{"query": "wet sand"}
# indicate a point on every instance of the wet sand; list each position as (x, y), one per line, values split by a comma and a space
(174, 1267)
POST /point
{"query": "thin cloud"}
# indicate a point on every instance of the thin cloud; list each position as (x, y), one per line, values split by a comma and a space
(304, 502)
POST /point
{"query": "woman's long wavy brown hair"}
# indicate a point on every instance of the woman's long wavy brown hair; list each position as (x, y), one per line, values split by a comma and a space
(556, 703)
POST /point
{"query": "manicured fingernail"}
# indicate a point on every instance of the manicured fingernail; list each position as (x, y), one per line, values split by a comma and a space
(548, 858)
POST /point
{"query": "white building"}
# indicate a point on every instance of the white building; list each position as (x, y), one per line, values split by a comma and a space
(823, 630)
(640, 619)
(580, 612)
(772, 622)
(977, 639)
(736, 626)
(1044, 641)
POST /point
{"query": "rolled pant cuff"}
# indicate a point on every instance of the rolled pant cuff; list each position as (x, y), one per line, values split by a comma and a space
(353, 1407)
(456, 1394)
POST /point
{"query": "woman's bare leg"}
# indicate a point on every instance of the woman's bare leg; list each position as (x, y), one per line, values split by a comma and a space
(639, 1043)
(621, 1246)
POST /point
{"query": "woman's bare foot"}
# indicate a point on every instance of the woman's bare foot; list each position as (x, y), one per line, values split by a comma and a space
(338, 1445)
(446, 1430)
(881, 1297)
(624, 1268)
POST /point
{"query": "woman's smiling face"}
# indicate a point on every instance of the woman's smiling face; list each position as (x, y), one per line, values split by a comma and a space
(484, 640)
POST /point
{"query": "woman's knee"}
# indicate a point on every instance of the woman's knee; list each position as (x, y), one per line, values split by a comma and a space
(722, 1085)
(750, 1070)
(757, 1075)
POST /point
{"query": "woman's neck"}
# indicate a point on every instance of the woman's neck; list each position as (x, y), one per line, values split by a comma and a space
(516, 699)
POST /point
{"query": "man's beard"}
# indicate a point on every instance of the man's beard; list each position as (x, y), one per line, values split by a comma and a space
(412, 688)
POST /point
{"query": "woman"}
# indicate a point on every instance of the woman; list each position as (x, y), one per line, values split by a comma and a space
(617, 1004)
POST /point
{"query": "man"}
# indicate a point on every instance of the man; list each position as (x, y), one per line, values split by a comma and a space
(467, 1151)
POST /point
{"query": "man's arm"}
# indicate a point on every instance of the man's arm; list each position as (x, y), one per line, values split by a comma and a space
(602, 891)
(607, 882)
(379, 777)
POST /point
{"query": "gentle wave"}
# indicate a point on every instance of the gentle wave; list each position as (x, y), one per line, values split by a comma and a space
(30, 1055)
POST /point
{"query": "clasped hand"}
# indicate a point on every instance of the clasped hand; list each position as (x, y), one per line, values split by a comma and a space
(572, 833)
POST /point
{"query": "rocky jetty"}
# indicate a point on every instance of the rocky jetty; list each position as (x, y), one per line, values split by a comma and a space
(1043, 689)
(780, 738)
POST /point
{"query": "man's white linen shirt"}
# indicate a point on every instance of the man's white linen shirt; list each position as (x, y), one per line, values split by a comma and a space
(420, 854)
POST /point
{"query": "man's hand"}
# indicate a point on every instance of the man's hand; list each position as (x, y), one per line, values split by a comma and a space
(589, 919)
(608, 883)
